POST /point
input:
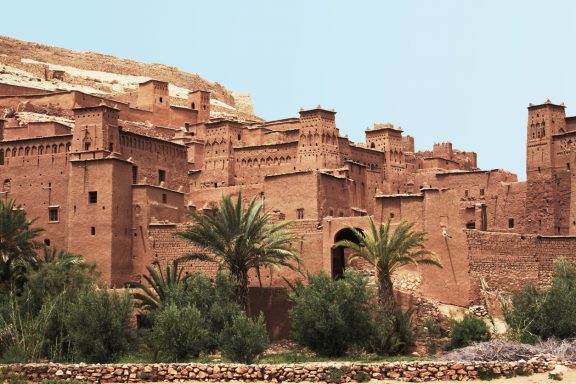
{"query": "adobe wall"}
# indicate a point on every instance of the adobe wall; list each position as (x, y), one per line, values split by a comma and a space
(509, 261)
(333, 196)
(293, 191)
(442, 216)
(38, 182)
(17, 90)
(151, 155)
(102, 231)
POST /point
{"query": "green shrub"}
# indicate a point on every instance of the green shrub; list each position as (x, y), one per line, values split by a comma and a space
(362, 376)
(468, 330)
(330, 316)
(392, 334)
(179, 332)
(99, 326)
(243, 340)
(541, 314)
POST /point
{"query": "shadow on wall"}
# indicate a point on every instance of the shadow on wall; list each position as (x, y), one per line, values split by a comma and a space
(275, 305)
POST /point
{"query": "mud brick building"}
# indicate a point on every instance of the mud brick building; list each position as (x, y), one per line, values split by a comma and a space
(113, 177)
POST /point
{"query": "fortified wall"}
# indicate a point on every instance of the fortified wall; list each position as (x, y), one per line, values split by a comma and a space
(113, 178)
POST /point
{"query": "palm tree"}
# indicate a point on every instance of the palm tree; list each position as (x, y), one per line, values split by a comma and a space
(58, 257)
(387, 252)
(241, 239)
(159, 284)
(17, 240)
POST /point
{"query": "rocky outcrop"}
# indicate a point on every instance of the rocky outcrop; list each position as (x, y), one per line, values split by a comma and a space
(33, 58)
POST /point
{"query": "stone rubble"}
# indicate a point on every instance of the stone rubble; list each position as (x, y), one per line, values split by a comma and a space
(416, 371)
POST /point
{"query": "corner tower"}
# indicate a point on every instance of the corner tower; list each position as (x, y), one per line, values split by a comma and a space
(545, 183)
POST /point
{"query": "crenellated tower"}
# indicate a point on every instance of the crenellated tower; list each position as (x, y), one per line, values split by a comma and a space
(318, 144)
(545, 178)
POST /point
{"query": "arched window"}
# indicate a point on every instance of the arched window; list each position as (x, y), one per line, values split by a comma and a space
(54, 148)
(13, 152)
(40, 150)
(27, 151)
(6, 185)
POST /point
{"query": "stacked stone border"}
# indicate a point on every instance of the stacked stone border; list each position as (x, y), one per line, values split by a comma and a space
(417, 371)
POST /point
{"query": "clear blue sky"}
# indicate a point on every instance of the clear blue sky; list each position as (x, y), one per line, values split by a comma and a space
(460, 71)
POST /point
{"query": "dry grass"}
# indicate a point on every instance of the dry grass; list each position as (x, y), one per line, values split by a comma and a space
(504, 350)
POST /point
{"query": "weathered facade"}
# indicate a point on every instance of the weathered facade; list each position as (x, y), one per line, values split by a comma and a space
(112, 178)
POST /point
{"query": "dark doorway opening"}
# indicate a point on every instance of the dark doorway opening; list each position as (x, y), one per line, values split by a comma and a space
(339, 253)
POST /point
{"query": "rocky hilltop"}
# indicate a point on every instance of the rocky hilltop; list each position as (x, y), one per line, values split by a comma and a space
(47, 67)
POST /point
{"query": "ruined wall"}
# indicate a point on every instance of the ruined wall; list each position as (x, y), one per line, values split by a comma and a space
(509, 261)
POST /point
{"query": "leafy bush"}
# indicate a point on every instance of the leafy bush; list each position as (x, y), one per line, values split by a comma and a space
(392, 334)
(99, 326)
(541, 314)
(468, 330)
(329, 316)
(242, 340)
(179, 332)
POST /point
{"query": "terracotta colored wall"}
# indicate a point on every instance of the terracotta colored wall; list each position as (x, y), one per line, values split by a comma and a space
(509, 261)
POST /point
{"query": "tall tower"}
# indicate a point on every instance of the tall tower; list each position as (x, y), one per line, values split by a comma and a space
(543, 184)
(318, 144)
(96, 130)
(200, 101)
(100, 195)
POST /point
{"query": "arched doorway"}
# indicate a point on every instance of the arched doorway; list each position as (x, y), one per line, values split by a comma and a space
(339, 253)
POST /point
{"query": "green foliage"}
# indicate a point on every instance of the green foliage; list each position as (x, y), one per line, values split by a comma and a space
(243, 340)
(432, 331)
(162, 286)
(487, 373)
(99, 326)
(241, 239)
(329, 316)
(179, 332)
(17, 243)
(387, 252)
(541, 314)
(468, 330)
(392, 334)
(24, 331)
(11, 378)
(362, 377)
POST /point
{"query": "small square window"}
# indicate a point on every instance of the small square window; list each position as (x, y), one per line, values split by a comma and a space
(161, 176)
(93, 231)
(164, 198)
(92, 197)
(510, 223)
(53, 214)
(481, 191)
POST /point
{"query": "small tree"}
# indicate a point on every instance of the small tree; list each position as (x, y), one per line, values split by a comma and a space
(242, 340)
(329, 316)
(241, 239)
(180, 332)
(387, 252)
(17, 241)
(99, 326)
(545, 313)
(467, 331)
(161, 285)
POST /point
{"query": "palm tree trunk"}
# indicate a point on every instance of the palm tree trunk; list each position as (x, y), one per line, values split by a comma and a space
(241, 290)
(386, 297)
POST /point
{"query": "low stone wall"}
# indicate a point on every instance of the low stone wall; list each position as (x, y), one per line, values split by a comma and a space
(325, 372)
